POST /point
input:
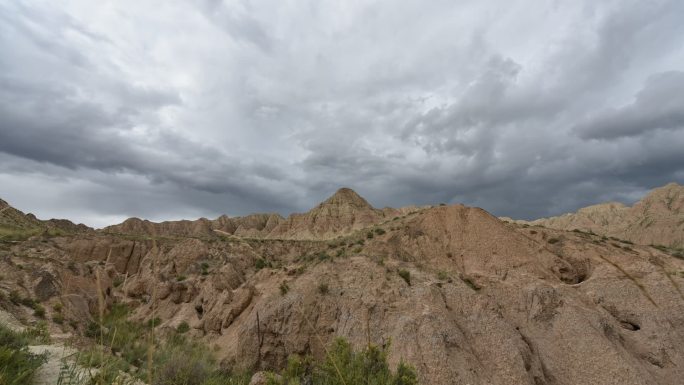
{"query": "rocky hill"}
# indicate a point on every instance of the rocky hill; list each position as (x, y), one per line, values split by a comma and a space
(342, 213)
(656, 219)
(461, 295)
(15, 225)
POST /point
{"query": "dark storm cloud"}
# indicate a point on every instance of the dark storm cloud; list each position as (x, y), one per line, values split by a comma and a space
(185, 109)
(657, 107)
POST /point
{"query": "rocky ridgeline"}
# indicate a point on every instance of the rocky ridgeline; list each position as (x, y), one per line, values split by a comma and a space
(657, 219)
(463, 296)
(341, 214)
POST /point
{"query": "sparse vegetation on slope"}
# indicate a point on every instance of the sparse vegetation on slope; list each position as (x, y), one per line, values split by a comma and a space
(17, 364)
(345, 366)
(123, 350)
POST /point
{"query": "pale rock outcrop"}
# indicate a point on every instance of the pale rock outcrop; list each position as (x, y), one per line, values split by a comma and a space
(656, 219)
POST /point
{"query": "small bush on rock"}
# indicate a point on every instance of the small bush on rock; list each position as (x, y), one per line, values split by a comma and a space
(405, 275)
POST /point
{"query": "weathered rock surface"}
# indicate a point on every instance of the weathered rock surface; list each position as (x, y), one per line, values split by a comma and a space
(480, 302)
(11, 218)
(341, 214)
(656, 219)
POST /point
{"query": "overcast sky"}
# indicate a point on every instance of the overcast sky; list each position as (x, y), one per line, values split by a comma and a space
(181, 109)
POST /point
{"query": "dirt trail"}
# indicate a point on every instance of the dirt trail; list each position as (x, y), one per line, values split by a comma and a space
(57, 353)
(48, 374)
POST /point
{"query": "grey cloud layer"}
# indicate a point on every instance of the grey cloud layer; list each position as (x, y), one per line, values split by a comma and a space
(200, 108)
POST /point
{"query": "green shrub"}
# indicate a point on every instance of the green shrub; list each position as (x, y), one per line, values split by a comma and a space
(553, 240)
(181, 278)
(204, 268)
(14, 297)
(17, 364)
(118, 281)
(92, 330)
(58, 319)
(39, 311)
(17, 234)
(57, 307)
(260, 264)
(405, 275)
(38, 334)
(442, 275)
(379, 231)
(183, 327)
(345, 366)
(17, 300)
(323, 288)
(284, 288)
(369, 235)
(153, 322)
(176, 360)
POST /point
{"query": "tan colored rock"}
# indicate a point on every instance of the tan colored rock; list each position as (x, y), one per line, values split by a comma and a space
(656, 219)
(484, 302)
(340, 214)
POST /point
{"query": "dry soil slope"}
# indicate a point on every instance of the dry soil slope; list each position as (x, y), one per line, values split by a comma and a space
(656, 219)
(509, 307)
(487, 302)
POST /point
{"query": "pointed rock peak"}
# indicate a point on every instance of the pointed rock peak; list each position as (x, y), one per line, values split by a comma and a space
(3, 204)
(347, 196)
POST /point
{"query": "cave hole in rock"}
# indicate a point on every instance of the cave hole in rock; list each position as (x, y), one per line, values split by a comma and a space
(200, 310)
(573, 271)
(629, 325)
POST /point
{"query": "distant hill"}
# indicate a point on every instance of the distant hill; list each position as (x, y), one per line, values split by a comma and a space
(15, 225)
(341, 214)
(657, 219)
